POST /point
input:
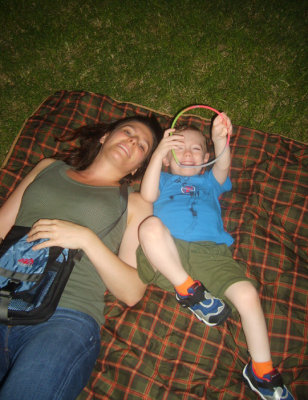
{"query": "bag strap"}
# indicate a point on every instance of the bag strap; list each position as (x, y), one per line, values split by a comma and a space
(5, 298)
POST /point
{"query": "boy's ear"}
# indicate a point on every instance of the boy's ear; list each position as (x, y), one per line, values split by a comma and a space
(206, 157)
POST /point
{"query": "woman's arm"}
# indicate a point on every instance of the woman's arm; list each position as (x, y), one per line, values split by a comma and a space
(118, 272)
(9, 210)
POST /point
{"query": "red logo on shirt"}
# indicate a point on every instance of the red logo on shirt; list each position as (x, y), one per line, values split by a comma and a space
(187, 189)
(26, 261)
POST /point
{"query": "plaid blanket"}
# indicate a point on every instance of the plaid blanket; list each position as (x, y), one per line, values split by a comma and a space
(156, 350)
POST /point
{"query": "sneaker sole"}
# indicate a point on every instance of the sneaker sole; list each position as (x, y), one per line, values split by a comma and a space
(246, 377)
(201, 319)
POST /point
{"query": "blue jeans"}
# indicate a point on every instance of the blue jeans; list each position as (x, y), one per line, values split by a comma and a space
(48, 361)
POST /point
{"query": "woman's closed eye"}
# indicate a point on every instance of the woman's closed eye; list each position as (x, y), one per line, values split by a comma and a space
(142, 146)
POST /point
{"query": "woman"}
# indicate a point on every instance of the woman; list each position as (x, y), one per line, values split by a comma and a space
(68, 203)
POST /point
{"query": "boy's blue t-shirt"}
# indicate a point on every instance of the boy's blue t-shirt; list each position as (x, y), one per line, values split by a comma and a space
(189, 207)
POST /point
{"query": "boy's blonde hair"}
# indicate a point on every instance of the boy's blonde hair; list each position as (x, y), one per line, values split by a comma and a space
(182, 128)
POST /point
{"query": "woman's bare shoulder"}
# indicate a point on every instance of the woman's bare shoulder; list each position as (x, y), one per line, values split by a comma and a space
(44, 163)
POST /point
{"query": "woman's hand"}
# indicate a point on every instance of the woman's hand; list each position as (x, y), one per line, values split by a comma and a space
(58, 233)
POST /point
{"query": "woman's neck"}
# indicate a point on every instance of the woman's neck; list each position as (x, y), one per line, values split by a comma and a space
(95, 176)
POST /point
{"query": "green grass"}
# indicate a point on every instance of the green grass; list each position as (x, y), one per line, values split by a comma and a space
(248, 58)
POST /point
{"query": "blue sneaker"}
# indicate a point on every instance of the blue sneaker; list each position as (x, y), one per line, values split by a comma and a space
(207, 308)
(270, 387)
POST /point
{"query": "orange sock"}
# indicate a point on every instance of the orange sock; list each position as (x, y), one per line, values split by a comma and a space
(182, 289)
(262, 368)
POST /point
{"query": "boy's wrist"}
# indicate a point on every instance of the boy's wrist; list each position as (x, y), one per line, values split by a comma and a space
(220, 140)
(156, 157)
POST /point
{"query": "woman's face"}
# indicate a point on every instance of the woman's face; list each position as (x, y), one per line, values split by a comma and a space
(129, 145)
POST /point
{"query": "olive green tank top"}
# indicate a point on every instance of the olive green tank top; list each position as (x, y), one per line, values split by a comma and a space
(54, 195)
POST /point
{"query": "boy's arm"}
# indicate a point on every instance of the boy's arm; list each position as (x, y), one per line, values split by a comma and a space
(220, 129)
(150, 183)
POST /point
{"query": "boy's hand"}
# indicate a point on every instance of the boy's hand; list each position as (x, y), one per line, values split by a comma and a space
(168, 143)
(150, 183)
(221, 126)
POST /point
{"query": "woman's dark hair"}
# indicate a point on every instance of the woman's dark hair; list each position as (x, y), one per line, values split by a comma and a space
(88, 139)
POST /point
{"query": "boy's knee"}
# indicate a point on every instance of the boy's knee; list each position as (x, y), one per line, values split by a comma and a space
(244, 295)
(250, 300)
(151, 227)
(250, 294)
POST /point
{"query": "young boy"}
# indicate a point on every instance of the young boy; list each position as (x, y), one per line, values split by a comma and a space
(185, 240)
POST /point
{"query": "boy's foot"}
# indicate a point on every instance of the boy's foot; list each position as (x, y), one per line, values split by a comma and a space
(270, 387)
(207, 308)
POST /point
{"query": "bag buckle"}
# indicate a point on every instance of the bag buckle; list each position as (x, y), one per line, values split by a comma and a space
(10, 287)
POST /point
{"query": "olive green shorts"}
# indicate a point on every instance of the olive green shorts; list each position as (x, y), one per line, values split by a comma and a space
(208, 262)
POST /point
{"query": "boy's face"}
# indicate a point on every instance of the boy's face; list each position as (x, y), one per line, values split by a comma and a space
(193, 152)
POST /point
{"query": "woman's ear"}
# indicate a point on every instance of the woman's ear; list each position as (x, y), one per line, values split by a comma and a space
(102, 140)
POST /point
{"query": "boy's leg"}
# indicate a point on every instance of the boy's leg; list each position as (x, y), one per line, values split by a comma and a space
(259, 373)
(246, 300)
(161, 251)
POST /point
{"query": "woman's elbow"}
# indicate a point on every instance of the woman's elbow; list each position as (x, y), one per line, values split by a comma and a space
(133, 297)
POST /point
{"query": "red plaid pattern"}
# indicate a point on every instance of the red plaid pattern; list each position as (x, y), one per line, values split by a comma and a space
(157, 350)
